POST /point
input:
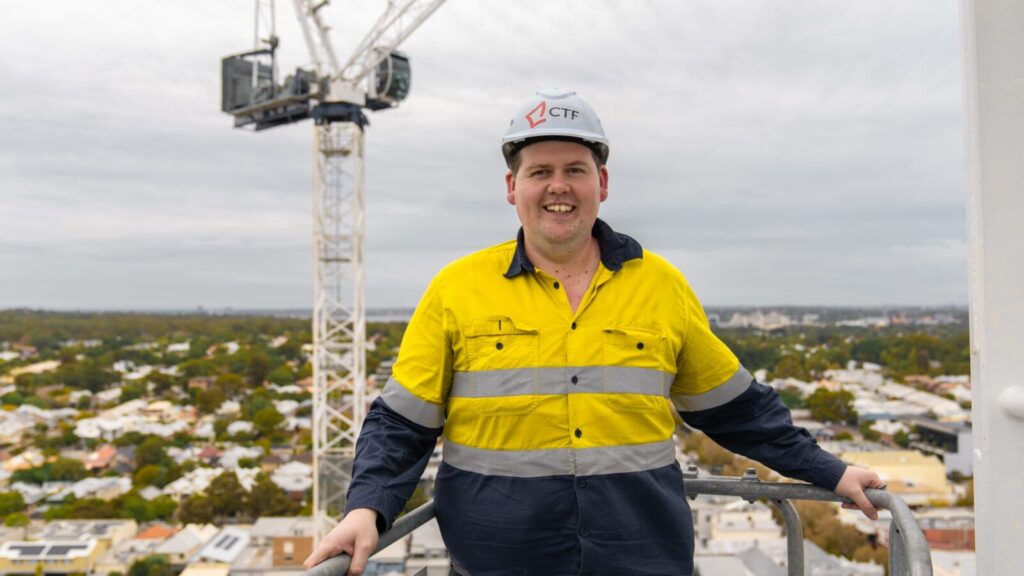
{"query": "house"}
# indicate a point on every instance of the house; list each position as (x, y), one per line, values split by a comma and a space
(225, 547)
(294, 478)
(101, 458)
(953, 442)
(30, 458)
(180, 547)
(179, 347)
(52, 556)
(289, 539)
(240, 427)
(917, 478)
(201, 382)
(158, 531)
(120, 558)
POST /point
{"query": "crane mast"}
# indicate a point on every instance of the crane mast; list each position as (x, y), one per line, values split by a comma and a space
(334, 96)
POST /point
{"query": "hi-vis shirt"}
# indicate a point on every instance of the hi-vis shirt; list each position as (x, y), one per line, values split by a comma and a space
(558, 455)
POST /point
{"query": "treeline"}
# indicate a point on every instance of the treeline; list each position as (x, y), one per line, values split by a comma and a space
(806, 353)
(47, 330)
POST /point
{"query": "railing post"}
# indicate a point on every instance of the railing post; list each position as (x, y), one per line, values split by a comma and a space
(794, 537)
(897, 552)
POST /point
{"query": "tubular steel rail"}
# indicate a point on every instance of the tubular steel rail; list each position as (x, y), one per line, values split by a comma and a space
(908, 550)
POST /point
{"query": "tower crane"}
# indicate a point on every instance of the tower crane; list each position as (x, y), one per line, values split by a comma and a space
(334, 94)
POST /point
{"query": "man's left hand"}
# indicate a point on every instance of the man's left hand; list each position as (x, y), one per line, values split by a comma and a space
(852, 485)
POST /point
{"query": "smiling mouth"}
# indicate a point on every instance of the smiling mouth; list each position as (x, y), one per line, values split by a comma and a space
(559, 208)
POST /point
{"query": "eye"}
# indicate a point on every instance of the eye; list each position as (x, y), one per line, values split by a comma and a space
(538, 172)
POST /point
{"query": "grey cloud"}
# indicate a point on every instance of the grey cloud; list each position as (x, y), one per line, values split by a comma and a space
(778, 152)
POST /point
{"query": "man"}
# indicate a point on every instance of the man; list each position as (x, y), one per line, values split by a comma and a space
(557, 366)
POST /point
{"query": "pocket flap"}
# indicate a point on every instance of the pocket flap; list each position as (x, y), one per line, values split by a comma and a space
(496, 326)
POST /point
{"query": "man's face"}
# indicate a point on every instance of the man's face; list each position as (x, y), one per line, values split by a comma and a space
(557, 192)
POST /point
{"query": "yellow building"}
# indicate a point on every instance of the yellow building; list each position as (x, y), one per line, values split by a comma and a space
(207, 569)
(917, 478)
(55, 557)
(65, 546)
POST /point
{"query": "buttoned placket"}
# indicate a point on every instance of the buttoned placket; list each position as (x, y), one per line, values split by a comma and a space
(573, 321)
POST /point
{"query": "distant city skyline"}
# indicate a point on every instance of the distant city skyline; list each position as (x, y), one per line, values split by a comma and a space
(778, 153)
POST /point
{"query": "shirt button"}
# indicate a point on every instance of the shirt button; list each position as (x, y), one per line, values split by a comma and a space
(573, 326)
(575, 379)
(639, 345)
(579, 433)
(499, 345)
(584, 532)
(556, 285)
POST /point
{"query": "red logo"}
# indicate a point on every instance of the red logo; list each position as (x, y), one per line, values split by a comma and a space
(539, 110)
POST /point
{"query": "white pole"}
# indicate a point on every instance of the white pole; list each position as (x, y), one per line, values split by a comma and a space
(993, 40)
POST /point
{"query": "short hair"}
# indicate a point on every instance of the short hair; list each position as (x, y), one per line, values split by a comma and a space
(515, 161)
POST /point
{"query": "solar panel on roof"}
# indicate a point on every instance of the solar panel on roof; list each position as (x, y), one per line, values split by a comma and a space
(63, 549)
(28, 550)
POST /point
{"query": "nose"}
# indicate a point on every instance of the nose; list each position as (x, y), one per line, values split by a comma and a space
(558, 184)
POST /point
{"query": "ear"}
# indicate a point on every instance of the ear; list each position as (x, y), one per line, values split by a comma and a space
(510, 187)
(603, 177)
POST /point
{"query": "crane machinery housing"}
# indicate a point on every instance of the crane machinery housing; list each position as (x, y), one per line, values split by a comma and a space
(375, 77)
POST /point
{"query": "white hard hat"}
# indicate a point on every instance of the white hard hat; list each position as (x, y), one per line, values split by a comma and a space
(554, 114)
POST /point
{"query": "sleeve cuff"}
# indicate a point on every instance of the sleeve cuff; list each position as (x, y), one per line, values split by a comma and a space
(826, 470)
(384, 519)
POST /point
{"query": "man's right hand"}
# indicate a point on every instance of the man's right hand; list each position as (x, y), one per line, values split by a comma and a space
(356, 535)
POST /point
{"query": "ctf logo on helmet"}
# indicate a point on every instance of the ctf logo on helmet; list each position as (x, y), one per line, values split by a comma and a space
(539, 110)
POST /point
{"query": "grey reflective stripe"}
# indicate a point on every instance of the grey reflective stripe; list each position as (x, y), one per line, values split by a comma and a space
(560, 461)
(737, 384)
(589, 379)
(412, 407)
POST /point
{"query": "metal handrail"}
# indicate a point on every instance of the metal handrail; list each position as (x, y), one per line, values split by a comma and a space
(909, 554)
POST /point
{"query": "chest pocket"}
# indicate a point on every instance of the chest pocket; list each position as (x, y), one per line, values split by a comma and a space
(635, 369)
(498, 343)
(636, 348)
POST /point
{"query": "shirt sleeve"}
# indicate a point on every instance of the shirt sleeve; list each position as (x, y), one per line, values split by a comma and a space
(403, 424)
(714, 393)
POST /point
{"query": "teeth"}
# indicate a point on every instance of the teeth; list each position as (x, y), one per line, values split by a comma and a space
(558, 208)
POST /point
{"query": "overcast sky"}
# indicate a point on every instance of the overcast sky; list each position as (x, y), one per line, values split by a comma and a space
(778, 152)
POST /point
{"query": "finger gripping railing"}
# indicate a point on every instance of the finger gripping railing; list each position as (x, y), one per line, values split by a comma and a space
(908, 550)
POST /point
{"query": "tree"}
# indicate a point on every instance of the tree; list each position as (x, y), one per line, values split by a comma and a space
(195, 509)
(67, 469)
(282, 375)
(869, 433)
(230, 384)
(157, 565)
(16, 520)
(268, 499)
(11, 502)
(268, 420)
(150, 452)
(828, 406)
(259, 367)
(901, 438)
(791, 398)
(790, 366)
(226, 495)
(148, 476)
(210, 400)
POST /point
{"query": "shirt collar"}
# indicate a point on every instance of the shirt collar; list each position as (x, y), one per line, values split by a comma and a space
(615, 249)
